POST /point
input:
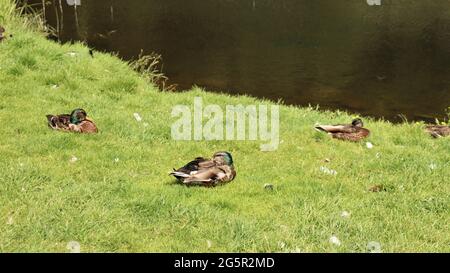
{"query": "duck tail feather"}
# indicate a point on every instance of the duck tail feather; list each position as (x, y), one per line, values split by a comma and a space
(179, 174)
(320, 128)
(330, 128)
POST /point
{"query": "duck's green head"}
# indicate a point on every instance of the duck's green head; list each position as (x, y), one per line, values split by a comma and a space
(358, 122)
(225, 156)
(77, 116)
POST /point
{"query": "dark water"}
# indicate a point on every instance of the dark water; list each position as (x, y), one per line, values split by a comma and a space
(380, 61)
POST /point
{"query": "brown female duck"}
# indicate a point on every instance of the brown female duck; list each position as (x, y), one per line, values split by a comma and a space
(2, 32)
(438, 131)
(350, 132)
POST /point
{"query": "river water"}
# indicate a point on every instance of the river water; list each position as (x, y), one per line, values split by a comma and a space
(380, 60)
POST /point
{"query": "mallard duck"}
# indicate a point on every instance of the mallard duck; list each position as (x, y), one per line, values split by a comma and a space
(351, 132)
(2, 31)
(77, 121)
(437, 131)
(377, 188)
(207, 172)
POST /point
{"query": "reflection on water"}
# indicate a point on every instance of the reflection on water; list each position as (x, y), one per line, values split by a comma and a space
(378, 60)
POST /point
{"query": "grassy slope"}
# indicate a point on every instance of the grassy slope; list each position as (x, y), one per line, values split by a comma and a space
(133, 205)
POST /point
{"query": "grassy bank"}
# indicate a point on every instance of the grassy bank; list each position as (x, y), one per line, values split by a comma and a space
(117, 197)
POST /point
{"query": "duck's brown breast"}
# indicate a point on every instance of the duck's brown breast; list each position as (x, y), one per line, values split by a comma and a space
(88, 127)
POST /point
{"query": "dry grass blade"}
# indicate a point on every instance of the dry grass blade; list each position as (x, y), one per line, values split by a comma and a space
(32, 18)
(150, 67)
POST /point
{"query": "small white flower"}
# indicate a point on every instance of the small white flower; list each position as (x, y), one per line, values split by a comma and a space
(209, 243)
(335, 240)
(345, 214)
(325, 170)
(374, 247)
(116, 160)
(73, 159)
(54, 86)
(137, 117)
(433, 166)
(74, 247)
(369, 145)
(72, 54)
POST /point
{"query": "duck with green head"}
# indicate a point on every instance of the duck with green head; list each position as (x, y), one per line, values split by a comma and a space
(77, 121)
(207, 172)
(350, 132)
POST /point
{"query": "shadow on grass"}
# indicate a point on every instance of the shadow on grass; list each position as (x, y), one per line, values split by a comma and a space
(175, 183)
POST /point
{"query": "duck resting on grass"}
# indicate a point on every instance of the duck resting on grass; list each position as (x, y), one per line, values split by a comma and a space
(77, 121)
(350, 132)
(2, 31)
(207, 172)
(438, 131)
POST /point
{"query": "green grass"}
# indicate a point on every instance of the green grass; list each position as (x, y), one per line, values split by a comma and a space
(134, 206)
